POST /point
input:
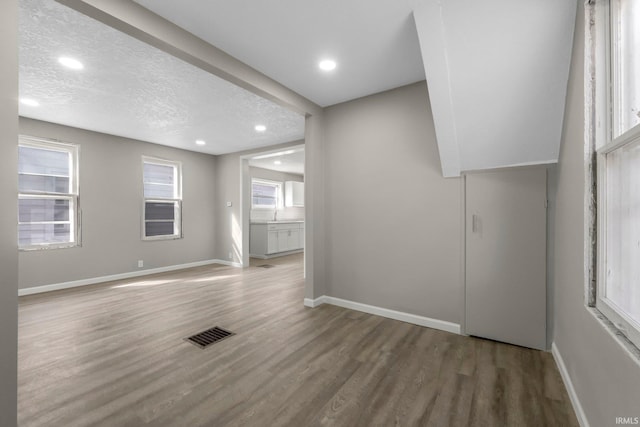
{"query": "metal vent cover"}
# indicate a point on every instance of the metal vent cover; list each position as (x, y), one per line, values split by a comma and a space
(211, 336)
(266, 266)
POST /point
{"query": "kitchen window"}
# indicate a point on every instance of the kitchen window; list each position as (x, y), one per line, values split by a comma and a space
(618, 159)
(162, 206)
(266, 194)
(47, 194)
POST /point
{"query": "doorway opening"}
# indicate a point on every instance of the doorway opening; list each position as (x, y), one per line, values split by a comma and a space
(273, 211)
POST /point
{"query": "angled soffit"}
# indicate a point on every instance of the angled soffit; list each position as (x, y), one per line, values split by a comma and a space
(497, 73)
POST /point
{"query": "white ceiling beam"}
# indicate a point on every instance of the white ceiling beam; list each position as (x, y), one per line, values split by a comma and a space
(136, 21)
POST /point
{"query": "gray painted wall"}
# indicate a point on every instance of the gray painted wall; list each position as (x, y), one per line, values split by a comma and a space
(606, 378)
(111, 203)
(315, 207)
(8, 219)
(393, 223)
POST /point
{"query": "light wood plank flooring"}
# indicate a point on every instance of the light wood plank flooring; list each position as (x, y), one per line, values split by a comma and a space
(114, 355)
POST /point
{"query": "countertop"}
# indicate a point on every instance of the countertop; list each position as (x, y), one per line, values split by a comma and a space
(283, 221)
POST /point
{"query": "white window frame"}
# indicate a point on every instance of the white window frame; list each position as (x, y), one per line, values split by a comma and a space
(72, 196)
(279, 199)
(177, 200)
(605, 143)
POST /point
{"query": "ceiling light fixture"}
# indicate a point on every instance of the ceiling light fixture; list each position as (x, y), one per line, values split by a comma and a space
(327, 65)
(74, 64)
(200, 142)
(260, 128)
(29, 102)
(277, 162)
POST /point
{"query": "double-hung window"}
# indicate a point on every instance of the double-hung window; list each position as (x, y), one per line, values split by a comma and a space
(47, 194)
(618, 154)
(162, 206)
(266, 194)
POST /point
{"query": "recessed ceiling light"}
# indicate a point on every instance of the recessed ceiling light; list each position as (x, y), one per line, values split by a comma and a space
(327, 65)
(277, 162)
(29, 102)
(200, 142)
(260, 128)
(74, 64)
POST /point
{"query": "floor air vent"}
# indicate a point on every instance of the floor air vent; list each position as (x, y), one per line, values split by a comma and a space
(266, 266)
(210, 336)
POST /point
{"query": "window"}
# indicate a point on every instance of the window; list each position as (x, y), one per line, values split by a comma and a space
(625, 64)
(162, 207)
(618, 155)
(47, 194)
(266, 194)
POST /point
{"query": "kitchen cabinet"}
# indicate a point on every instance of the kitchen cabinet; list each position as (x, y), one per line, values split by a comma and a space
(292, 239)
(293, 194)
(275, 238)
(283, 240)
(272, 241)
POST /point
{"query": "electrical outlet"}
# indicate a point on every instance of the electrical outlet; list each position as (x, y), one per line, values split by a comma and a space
(140, 263)
(230, 256)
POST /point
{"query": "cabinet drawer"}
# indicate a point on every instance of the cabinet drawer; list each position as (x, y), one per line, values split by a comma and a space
(284, 226)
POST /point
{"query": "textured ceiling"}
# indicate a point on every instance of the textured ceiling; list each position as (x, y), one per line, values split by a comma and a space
(128, 88)
(374, 43)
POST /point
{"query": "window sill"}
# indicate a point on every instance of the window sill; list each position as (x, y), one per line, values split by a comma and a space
(156, 238)
(630, 348)
(48, 247)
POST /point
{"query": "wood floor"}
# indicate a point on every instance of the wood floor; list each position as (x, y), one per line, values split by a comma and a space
(114, 355)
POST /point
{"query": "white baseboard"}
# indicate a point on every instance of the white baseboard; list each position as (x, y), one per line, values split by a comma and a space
(308, 302)
(575, 402)
(121, 276)
(385, 312)
(223, 262)
(276, 255)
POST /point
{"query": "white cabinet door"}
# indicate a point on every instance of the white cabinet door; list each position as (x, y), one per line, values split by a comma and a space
(294, 193)
(283, 240)
(272, 242)
(506, 256)
(294, 237)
